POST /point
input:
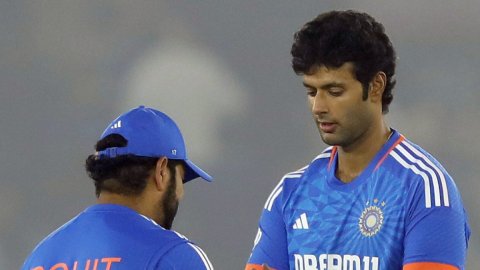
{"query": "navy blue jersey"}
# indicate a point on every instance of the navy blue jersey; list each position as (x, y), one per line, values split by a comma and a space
(114, 237)
(403, 208)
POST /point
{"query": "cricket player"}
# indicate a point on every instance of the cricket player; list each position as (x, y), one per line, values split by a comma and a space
(139, 168)
(373, 200)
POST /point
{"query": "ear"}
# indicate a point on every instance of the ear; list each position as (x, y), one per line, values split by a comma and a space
(377, 86)
(161, 174)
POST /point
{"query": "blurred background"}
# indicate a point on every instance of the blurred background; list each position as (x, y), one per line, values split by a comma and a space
(222, 70)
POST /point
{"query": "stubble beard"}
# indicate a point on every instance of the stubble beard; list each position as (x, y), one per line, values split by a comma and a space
(169, 204)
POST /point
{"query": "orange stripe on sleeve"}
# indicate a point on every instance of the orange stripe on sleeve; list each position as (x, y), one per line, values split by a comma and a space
(252, 266)
(429, 266)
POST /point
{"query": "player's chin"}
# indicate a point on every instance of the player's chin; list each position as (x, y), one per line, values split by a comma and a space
(329, 138)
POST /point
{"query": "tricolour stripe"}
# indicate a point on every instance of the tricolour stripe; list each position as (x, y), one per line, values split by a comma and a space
(399, 140)
(332, 157)
(446, 199)
(428, 199)
(203, 256)
(433, 176)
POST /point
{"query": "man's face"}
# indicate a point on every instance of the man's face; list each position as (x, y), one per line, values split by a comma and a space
(173, 195)
(335, 100)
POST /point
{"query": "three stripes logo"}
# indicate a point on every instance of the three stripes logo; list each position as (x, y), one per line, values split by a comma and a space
(301, 223)
(118, 124)
(435, 183)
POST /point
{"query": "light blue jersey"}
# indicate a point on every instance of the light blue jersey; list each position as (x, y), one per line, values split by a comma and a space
(114, 237)
(403, 208)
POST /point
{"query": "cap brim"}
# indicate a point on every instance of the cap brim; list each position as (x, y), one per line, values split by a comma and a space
(192, 171)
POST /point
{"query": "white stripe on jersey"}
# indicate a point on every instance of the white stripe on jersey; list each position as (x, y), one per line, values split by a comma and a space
(257, 238)
(446, 200)
(433, 176)
(278, 189)
(179, 235)
(292, 175)
(203, 256)
(326, 153)
(278, 186)
(428, 199)
(323, 155)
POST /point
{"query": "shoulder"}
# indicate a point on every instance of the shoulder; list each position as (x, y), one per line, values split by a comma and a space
(420, 169)
(289, 181)
(186, 255)
(406, 153)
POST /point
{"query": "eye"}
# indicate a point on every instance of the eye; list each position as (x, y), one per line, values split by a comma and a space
(335, 91)
(311, 92)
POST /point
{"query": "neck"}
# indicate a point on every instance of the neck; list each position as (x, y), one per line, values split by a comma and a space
(354, 158)
(132, 202)
(139, 203)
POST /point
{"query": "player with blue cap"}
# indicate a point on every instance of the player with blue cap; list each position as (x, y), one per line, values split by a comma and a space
(151, 133)
(139, 168)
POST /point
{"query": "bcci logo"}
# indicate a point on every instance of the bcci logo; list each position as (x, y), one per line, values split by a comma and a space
(371, 220)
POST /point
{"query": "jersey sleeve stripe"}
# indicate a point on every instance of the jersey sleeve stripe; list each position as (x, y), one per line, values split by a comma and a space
(326, 153)
(278, 186)
(180, 235)
(433, 176)
(203, 256)
(278, 189)
(274, 193)
(429, 265)
(428, 199)
(270, 204)
(323, 155)
(446, 199)
(257, 238)
(252, 266)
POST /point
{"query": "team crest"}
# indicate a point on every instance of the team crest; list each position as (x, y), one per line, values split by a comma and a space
(371, 220)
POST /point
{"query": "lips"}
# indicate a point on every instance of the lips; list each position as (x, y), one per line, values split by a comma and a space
(327, 127)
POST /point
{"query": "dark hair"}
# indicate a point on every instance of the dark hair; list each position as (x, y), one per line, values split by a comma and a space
(337, 37)
(126, 174)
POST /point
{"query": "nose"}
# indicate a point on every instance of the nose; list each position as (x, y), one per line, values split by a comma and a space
(319, 104)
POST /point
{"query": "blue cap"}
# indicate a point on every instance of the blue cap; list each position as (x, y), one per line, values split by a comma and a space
(151, 133)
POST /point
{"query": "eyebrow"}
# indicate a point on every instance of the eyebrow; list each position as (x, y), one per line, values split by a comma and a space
(327, 85)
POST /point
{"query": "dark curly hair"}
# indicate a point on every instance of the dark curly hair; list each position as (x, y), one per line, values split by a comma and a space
(337, 37)
(126, 174)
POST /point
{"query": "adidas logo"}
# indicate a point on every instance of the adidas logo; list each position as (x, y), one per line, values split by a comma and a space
(301, 222)
(118, 124)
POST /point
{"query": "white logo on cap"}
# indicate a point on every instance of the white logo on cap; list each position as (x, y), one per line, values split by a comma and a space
(174, 152)
(117, 124)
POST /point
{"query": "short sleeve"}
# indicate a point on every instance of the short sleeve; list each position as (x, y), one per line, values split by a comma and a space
(437, 234)
(270, 246)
